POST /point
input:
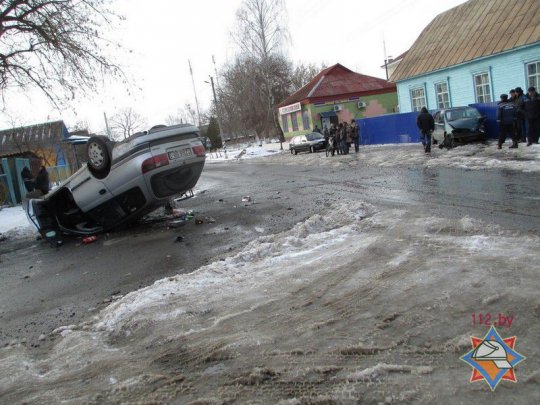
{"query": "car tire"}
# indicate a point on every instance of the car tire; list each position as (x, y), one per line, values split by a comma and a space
(99, 156)
(292, 151)
(311, 149)
(295, 151)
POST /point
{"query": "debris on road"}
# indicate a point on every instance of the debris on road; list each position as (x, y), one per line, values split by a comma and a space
(177, 223)
(247, 198)
(199, 221)
(179, 213)
(89, 239)
(179, 239)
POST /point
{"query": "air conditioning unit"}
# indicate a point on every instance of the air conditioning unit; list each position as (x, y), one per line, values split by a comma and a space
(362, 104)
(338, 107)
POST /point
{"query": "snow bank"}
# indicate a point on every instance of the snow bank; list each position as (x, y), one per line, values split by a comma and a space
(14, 223)
(471, 156)
(249, 152)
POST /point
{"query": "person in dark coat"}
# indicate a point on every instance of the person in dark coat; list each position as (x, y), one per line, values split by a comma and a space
(334, 134)
(348, 138)
(42, 180)
(355, 135)
(532, 114)
(28, 179)
(506, 118)
(426, 124)
(519, 100)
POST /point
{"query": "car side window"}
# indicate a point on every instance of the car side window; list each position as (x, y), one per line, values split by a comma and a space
(438, 117)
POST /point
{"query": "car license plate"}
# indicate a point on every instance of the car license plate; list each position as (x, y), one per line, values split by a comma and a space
(180, 153)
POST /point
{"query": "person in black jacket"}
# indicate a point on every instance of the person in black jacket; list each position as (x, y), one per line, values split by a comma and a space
(520, 115)
(28, 179)
(42, 180)
(426, 124)
(532, 113)
(355, 136)
(506, 118)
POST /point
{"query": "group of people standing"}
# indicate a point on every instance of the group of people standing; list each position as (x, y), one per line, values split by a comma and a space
(518, 117)
(340, 138)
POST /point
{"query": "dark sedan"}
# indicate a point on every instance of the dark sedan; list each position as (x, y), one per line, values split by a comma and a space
(311, 142)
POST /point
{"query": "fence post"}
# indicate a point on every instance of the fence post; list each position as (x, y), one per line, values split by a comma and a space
(9, 180)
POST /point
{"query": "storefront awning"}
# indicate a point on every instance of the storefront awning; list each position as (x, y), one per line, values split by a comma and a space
(328, 114)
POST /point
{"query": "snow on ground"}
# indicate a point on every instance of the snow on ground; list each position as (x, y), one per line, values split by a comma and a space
(242, 153)
(14, 223)
(474, 156)
(353, 304)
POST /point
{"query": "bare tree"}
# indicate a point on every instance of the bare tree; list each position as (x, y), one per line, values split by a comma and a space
(260, 33)
(80, 126)
(56, 46)
(302, 74)
(249, 92)
(260, 29)
(183, 115)
(127, 122)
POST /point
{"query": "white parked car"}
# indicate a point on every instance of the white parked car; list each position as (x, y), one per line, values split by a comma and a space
(121, 181)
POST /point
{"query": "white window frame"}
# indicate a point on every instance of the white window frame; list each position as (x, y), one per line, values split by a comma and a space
(442, 97)
(415, 105)
(483, 91)
(534, 78)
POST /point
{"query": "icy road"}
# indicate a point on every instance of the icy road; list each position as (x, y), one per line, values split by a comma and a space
(342, 281)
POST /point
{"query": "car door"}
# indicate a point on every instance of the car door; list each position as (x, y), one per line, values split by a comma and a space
(87, 191)
(438, 134)
(304, 144)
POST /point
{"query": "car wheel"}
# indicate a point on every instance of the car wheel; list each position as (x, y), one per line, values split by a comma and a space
(292, 151)
(295, 151)
(311, 149)
(99, 157)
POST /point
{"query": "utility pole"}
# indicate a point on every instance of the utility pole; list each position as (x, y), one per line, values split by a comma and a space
(385, 59)
(217, 108)
(215, 71)
(195, 92)
(107, 126)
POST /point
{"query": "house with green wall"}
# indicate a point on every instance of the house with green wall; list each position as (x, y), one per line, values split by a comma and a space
(335, 95)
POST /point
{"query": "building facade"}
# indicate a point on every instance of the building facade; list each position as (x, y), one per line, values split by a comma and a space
(46, 142)
(474, 66)
(335, 95)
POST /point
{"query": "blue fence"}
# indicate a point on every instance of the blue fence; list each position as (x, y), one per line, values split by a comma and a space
(389, 128)
(401, 128)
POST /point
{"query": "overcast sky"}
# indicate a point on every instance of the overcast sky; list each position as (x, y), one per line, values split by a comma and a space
(164, 34)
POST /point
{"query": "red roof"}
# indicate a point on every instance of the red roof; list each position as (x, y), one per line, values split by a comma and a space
(338, 81)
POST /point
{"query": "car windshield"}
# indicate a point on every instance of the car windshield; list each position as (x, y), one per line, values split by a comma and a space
(462, 113)
(314, 136)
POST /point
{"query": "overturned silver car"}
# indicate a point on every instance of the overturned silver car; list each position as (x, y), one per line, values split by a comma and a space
(121, 182)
